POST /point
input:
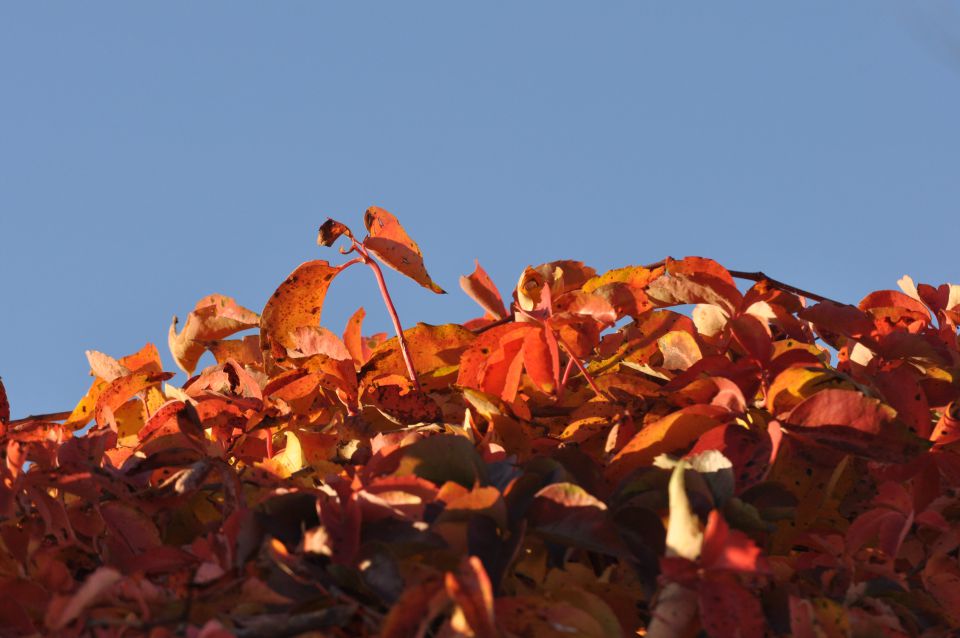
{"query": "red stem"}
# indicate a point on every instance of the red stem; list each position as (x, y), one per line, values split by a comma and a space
(583, 371)
(404, 350)
(566, 377)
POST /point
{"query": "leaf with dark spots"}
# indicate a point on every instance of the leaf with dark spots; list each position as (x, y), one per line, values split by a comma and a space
(297, 303)
(330, 231)
(245, 351)
(435, 351)
(120, 390)
(396, 397)
(391, 244)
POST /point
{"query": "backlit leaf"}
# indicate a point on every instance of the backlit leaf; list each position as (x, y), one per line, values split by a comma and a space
(391, 244)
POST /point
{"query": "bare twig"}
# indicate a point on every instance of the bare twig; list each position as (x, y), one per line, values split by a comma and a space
(779, 285)
(494, 324)
(52, 416)
(761, 276)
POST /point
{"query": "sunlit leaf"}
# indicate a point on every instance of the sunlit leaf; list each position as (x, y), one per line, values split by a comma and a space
(391, 244)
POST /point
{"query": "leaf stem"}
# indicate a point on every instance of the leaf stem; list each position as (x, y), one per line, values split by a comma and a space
(583, 370)
(391, 309)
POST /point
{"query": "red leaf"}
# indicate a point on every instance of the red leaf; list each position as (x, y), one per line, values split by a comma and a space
(64, 610)
(541, 358)
(841, 407)
(728, 550)
(754, 336)
(839, 319)
(727, 609)
(4, 406)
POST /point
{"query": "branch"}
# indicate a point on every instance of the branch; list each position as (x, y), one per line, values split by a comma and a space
(779, 285)
(53, 416)
(489, 326)
(761, 276)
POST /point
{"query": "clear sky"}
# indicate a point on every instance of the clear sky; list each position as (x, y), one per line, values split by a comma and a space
(153, 153)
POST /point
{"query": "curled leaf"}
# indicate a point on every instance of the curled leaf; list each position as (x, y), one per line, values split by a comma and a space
(214, 317)
(330, 231)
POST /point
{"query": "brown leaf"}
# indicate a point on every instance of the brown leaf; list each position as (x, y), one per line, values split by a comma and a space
(330, 231)
(391, 244)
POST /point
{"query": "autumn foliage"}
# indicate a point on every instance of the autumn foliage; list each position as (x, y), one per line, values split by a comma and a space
(580, 460)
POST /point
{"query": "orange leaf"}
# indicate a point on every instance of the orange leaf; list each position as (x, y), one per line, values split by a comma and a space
(435, 351)
(354, 341)
(471, 590)
(481, 289)
(297, 303)
(541, 358)
(391, 244)
(119, 391)
(669, 434)
(245, 351)
(214, 317)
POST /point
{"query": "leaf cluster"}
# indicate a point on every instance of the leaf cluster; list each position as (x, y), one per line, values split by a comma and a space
(581, 460)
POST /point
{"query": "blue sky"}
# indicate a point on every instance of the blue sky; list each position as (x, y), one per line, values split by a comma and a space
(153, 154)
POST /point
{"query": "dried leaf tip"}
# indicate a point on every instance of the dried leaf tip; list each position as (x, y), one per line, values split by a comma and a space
(330, 231)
